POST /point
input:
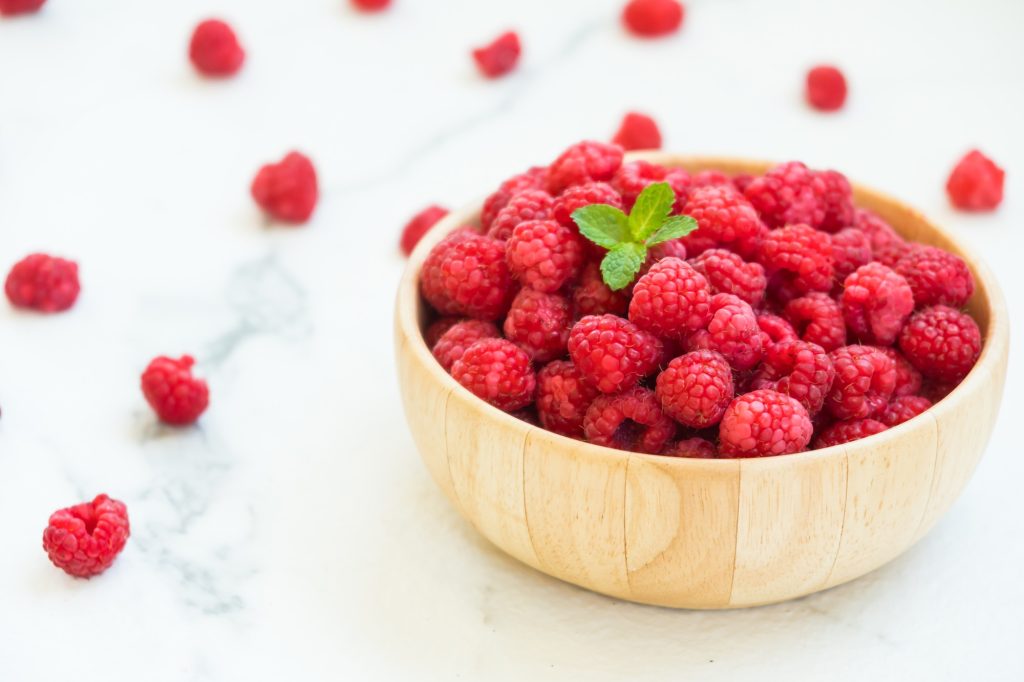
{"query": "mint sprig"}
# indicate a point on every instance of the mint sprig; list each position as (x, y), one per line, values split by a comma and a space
(627, 238)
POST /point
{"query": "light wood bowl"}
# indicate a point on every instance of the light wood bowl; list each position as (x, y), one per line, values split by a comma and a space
(701, 533)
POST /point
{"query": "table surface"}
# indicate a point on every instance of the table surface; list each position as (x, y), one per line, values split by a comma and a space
(294, 533)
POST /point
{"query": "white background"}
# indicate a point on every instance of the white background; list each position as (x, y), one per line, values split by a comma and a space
(295, 534)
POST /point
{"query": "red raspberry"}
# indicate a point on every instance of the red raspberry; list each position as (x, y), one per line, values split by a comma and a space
(418, 226)
(865, 380)
(878, 231)
(936, 277)
(672, 300)
(800, 256)
(539, 324)
(851, 248)
(816, 318)
(674, 248)
(544, 255)
(175, 395)
(84, 540)
(695, 448)
(438, 327)
(798, 369)
(466, 274)
(533, 204)
(908, 379)
(788, 194)
(371, 5)
(499, 56)
(696, 388)
(845, 432)
(43, 283)
(497, 371)
(725, 219)
(214, 49)
(287, 190)
(732, 331)
(976, 183)
(613, 354)
(774, 329)
(712, 178)
(837, 201)
(904, 409)
(583, 195)
(638, 131)
(876, 303)
(531, 179)
(826, 88)
(727, 273)
(942, 343)
(763, 423)
(11, 8)
(583, 162)
(631, 420)
(632, 178)
(891, 254)
(454, 342)
(593, 297)
(741, 180)
(563, 398)
(652, 18)
(936, 390)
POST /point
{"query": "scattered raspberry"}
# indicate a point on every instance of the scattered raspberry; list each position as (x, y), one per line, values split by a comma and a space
(438, 327)
(214, 49)
(908, 379)
(544, 255)
(904, 409)
(763, 423)
(695, 448)
(497, 371)
(672, 300)
(865, 380)
(84, 540)
(818, 319)
(466, 274)
(836, 200)
(942, 343)
(371, 5)
(583, 162)
(696, 388)
(631, 420)
(851, 248)
(727, 273)
(414, 230)
(454, 342)
(531, 179)
(653, 18)
(788, 194)
(799, 369)
(826, 88)
(712, 178)
(593, 297)
(43, 283)
(774, 329)
(844, 432)
(539, 324)
(732, 331)
(976, 183)
(532, 204)
(800, 256)
(11, 8)
(638, 131)
(725, 219)
(876, 303)
(936, 277)
(878, 231)
(613, 354)
(498, 57)
(287, 190)
(175, 395)
(563, 398)
(583, 195)
(632, 178)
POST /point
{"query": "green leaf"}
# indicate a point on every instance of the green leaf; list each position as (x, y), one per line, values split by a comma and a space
(650, 210)
(675, 227)
(620, 265)
(602, 224)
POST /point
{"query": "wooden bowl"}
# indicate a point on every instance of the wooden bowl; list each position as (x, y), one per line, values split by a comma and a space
(701, 533)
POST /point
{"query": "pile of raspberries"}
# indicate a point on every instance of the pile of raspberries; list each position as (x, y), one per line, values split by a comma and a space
(789, 320)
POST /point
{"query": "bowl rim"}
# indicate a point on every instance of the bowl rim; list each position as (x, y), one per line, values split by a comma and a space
(989, 296)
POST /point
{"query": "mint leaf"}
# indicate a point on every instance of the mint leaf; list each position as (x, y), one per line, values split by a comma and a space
(621, 264)
(602, 224)
(650, 210)
(675, 227)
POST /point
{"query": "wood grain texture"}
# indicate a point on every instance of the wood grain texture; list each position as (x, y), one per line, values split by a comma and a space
(701, 533)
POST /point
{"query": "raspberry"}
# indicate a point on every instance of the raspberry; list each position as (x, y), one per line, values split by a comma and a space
(826, 88)
(499, 56)
(418, 226)
(638, 131)
(532, 204)
(936, 277)
(84, 540)
(583, 162)
(11, 8)
(631, 179)
(976, 183)
(712, 178)
(531, 179)
(732, 331)
(800, 256)
(214, 49)
(937, 390)
(287, 190)
(583, 195)
(878, 231)
(851, 248)
(544, 255)
(631, 420)
(695, 448)
(725, 219)
(652, 18)
(371, 5)
(672, 300)
(908, 379)
(175, 395)
(593, 297)
(466, 274)
(788, 194)
(613, 354)
(774, 329)
(674, 248)
(47, 284)
(539, 324)
(741, 181)
(436, 329)
(837, 201)
(497, 371)
(798, 369)
(763, 423)
(844, 432)
(818, 319)
(876, 303)
(865, 379)
(563, 398)
(904, 409)
(727, 273)
(454, 342)
(696, 388)
(942, 343)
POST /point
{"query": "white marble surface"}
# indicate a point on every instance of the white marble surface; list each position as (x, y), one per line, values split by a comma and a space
(295, 534)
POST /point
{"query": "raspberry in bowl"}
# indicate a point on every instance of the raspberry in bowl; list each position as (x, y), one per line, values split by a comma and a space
(821, 456)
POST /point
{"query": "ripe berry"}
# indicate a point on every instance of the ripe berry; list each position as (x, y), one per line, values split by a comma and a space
(583, 195)
(727, 273)
(725, 219)
(818, 319)
(531, 179)
(84, 540)
(696, 388)
(904, 408)
(593, 297)
(798, 369)
(498, 57)
(652, 18)
(672, 300)
(287, 190)
(774, 329)
(631, 420)
(936, 277)
(613, 354)
(43, 283)
(371, 5)
(454, 342)
(878, 231)
(851, 248)
(214, 49)
(632, 178)
(876, 303)
(466, 274)
(544, 255)
(563, 397)
(732, 331)
(176, 396)
(436, 329)
(638, 131)
(942, 343)
(419, 225)
(763, 423)
(497, 371)
(695, 448)
(800, 257)
(826, 88)
(908, 379)
(11, 8)
(865, 380)
(712, 178)
(847, 431)
(583, 162)
(539, 324)
(788, 194)
(531, 204)
(836, 201)
(976, 183)
(674, 248)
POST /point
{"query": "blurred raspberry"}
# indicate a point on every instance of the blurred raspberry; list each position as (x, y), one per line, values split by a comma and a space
(774, 329)
(10, 8)
(848, 431)
(583, 195)
(418, 226)
(876, 303)
(851, 248)
(652, 18)
(638, 131)
(764, 423)
(826, 88)
(865, 380)
(631, 420)
(43, 283)
(696, 388)
(84, 540)
(499, 56)
(976, 183)
(497, 371)
(436, 329)
(539, 324)
(531, 179)
(613, 354)
(583, 162)
(214, 49)
(816, 318)
(631, 179)
(287, 190)
(371, 5)
(563, 397)
(712, 178)
(694, 448)
(942, 343)
(837, 201)
(908, 379)
(593, 297)
(175, 395)
(788, 194)
(672, 300)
